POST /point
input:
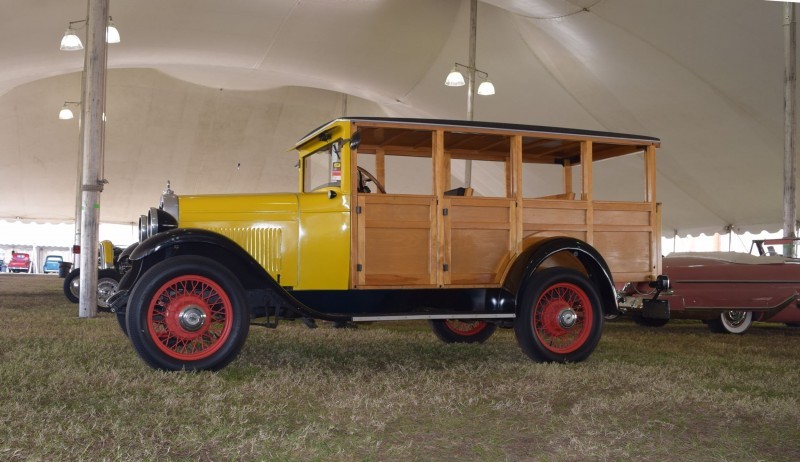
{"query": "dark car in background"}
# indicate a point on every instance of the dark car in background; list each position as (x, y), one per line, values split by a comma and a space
(51, 263)
(20, 263)
(726, 290)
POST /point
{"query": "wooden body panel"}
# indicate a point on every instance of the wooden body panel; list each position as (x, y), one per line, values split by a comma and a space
(479, 239)
(620, 231)
(396, 241)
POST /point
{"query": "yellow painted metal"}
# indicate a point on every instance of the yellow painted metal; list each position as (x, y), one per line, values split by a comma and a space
(324, 248)
(302, 240)
(106, 254)
(265, 225)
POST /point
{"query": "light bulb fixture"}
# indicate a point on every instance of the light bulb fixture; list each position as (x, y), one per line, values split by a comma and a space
(112, 34)
(454, 78)
(66, 112)
(486, 88)
(71, 41)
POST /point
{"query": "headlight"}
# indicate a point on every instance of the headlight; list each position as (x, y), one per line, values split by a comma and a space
(142, 228)
(156, 221)
(159, 221)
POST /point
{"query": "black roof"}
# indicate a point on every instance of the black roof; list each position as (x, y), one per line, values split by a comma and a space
(491, 125)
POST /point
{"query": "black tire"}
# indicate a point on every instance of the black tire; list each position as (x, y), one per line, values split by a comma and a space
(648, 322)
(560, 317)
(462, 331)
(187, 313)
(72, 285)
(107, 284)
(731, 322)
(122, 322)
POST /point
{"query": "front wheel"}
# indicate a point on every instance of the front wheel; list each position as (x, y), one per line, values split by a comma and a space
(731, 322)
(188, 313)
(559, 319)
(458, 331)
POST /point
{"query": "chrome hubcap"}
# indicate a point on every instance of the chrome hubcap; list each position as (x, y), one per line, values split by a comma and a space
(567, 318)
(192, 318)
(736, 317)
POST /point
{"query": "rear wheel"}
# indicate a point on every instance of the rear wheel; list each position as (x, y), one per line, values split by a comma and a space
(560, 319)
(72, 285)
(107, 284)
(731, 322)
(458, 331)
(187, 313)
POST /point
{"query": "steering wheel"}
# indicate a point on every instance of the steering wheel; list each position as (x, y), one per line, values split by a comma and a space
(362, 181)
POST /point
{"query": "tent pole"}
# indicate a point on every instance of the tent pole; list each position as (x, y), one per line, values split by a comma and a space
(789, 126)
(473, 36)
(92, 109)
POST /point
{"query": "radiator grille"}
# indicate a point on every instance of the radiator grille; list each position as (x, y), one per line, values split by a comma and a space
(263, 244)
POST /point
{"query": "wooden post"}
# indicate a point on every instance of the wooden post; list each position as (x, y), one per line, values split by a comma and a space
(92, 108)
(586, 170)
(516, 159)
(439, 167)
(586, 188)
(567, 178)
(380, 166)
(650, 174)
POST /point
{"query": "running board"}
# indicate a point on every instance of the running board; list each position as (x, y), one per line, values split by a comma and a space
(434, 316)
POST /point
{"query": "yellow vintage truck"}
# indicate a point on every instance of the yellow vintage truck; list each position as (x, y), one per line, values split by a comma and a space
(388, 224)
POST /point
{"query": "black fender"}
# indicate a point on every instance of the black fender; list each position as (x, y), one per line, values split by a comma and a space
(123, 261)
(260, 286)
(534, 257)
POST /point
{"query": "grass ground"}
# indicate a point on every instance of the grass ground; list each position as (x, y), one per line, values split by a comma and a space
(74, 389)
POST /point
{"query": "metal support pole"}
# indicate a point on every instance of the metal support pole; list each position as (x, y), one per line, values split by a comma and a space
(92, 108)
(473, 38)
(789, 125)
(78, 194)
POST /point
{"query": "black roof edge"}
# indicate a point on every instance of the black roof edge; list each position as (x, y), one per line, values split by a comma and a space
(490, 125)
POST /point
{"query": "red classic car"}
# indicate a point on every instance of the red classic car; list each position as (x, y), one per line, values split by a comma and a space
(20, 262)
(727, 290)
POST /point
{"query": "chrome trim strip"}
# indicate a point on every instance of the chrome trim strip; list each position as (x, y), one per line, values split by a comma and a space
(434, 316)
(730, 281)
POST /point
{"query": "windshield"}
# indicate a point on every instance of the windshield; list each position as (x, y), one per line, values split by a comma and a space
(323, 168)
(776, 247)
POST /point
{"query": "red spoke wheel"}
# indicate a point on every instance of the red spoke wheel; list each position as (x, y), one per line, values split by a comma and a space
(462, 331)
(189, 317)
(559, 318)
(187, 313)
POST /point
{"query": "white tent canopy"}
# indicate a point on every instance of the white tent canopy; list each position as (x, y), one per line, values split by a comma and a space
(210, 95)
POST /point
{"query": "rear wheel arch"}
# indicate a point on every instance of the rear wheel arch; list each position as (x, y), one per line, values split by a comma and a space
(567, 253)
